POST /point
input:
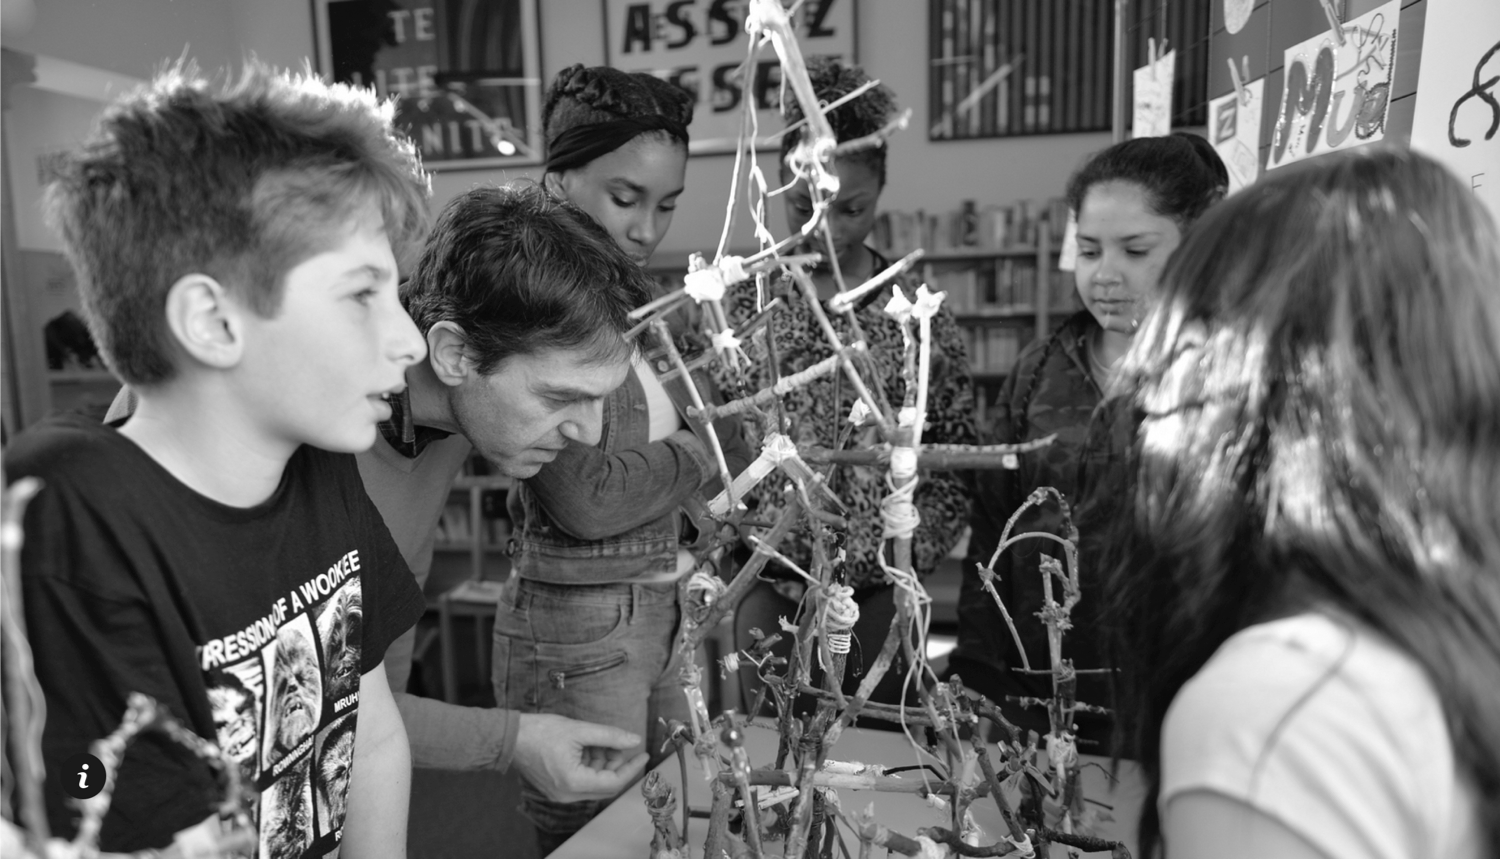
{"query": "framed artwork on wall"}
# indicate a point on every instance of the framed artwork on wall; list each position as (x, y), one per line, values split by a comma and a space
(466, 74)
(700, 46)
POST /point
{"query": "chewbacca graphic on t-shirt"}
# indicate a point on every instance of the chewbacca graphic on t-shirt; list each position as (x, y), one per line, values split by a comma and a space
(284, 695)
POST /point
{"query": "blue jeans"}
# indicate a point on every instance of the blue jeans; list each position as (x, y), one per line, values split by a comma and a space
(599, 653)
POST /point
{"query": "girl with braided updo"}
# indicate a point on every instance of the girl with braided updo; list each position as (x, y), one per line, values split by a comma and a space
(1133, 201)
(617, 148)
(585, 627)
(817, 414)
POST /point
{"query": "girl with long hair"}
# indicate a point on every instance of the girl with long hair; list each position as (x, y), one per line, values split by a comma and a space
(1134, 203)
(1305, 595)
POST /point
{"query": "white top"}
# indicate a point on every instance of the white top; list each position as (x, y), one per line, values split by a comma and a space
(1330, 730)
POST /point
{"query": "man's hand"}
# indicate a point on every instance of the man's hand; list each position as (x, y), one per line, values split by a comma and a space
(569, 760)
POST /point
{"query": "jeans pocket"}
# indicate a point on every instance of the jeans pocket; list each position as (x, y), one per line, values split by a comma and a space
(559, 621)
(558, 677)
(500, 680)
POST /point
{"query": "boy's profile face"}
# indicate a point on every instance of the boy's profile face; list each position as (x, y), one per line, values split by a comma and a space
(521, 415)
(317, 372)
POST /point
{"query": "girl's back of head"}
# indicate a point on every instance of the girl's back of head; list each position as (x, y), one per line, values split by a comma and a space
(1318, 394)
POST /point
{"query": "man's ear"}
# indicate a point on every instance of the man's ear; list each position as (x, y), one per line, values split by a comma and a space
(205, 321)
(448, 354)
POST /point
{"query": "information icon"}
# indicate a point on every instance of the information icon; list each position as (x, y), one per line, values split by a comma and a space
(82, 776)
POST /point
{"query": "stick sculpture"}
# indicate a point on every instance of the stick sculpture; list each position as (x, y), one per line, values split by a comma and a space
(791, 808)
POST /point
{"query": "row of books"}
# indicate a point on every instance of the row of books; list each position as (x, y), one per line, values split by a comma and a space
(972, 227)
(993, 348)
(1004, 287)
(986, 397)
(455, 527)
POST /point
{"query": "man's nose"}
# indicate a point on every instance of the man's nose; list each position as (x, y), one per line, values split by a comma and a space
(585, 423)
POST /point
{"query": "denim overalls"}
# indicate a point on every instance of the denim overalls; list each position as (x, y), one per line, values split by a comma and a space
(573, 635)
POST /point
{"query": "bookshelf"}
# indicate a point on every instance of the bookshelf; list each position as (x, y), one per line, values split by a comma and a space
(474, 498)
(998, 265)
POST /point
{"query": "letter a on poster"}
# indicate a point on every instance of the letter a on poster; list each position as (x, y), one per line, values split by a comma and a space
(1336, 96)
(1458, 94)
(1234, 129)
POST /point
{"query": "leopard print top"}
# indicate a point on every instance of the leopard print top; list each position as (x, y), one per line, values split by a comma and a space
(817, 414)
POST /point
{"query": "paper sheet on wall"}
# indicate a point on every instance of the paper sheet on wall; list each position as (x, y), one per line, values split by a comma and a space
(1153, 98)
(1336, 97)
(1234, 130)
(1067, 256)
(1237, 14)
(1458, 94)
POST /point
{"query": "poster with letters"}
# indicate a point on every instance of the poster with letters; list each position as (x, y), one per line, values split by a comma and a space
(1336, 96)
(1153, 97)
(1458, 94)
(1234, 130)
(700, 46)
(466, 74)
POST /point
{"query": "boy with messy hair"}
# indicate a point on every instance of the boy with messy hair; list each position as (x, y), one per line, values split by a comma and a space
(236, 250)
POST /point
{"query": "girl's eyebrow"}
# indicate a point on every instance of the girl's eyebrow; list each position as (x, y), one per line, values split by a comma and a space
(638, 189)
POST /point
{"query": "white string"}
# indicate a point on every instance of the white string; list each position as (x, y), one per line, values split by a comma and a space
(840, 614)
(898, 511)
(929, 849)
(704, 588)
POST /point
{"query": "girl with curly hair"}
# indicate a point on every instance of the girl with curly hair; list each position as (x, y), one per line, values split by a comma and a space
(817, 414)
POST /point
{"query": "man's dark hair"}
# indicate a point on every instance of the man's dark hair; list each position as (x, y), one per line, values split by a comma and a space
(240, 182)
(520, 272)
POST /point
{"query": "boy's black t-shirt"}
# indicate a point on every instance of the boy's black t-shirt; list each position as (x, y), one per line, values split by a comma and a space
(252, 625)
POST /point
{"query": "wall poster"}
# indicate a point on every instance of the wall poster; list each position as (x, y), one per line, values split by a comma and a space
(1458, 95)
(466, 73)
(1234, 130)
(1336, 96)
(1152, 116)
(700, 46)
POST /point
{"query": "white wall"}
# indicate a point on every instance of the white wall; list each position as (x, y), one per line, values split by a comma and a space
(133, 37)
(52, 122)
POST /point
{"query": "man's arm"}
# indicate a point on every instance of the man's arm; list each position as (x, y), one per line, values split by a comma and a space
(565, 759)
(593, 495)
(380, 781)
(569, 760)
(446, 736)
